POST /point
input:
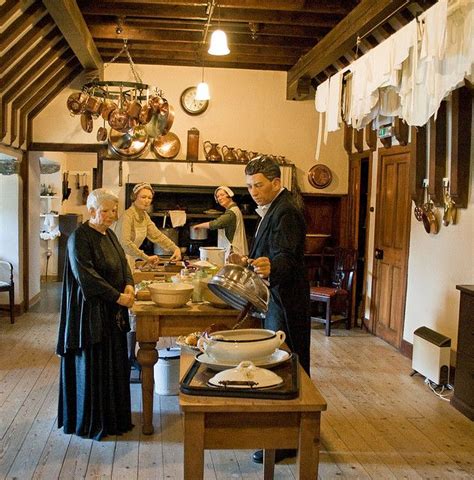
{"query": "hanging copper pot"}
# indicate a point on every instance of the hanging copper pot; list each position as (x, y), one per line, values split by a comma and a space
(86, 122)
(166, 118)
(108, 107)
(101, 134)
(76, 102)
(118, 120)
(146, 112)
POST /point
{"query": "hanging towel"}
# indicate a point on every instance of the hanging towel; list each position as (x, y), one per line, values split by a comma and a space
(178, 218)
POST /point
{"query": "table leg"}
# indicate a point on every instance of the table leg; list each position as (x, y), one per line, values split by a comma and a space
(147, 356)
(308, 451)
(193, 446)
(268, 464)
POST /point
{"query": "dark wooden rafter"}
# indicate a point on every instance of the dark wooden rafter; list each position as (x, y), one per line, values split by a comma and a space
(24, 42)
(367, 15)
(66, 76)
(48, 42)
(30, 17)
(72, 66)
(32, 93)
(70, 21)
(26, 81)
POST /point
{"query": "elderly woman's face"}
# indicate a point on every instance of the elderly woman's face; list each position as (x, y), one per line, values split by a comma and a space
(223, 198)
(144, 199)
(105, 215)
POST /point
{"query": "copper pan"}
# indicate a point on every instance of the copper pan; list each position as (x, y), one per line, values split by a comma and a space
(86, 122)
(76, 102)
(166, 146)
(146, 112)
(131, 144)
(166, 118)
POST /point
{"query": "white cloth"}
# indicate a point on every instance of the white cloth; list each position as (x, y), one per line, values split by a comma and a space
(178, 218)
(333, 119)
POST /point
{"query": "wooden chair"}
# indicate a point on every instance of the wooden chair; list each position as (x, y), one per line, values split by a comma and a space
(7, 285)
(336, 294)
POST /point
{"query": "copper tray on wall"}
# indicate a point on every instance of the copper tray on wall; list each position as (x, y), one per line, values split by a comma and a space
(320, 176)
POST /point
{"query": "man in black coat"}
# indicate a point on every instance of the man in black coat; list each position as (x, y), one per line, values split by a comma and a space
(278, 255)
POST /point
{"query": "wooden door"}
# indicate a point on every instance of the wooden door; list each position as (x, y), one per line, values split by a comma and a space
(392, 231)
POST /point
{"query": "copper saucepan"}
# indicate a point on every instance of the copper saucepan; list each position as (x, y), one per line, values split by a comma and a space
(131, 144)
(76, 102)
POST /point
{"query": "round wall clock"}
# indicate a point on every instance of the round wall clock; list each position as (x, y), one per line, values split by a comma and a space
(189, 103)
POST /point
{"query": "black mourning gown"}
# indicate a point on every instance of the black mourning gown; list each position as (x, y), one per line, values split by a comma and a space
(94, 389)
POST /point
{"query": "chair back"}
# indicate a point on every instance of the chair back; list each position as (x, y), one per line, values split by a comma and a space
(6, 272)
(345, 264)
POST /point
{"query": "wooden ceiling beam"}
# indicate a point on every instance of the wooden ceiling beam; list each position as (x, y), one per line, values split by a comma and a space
(17, 50)
(182, 25)
(33, 14)
(157, 46)
(65, 77)
(70, 21)
(48, 42)
(22, 82)
(198, 13)
(142, 35)
(340, 7)
(339, 40)
(191, 56)
(39, 83)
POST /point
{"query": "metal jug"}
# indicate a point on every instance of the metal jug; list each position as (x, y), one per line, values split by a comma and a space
(212, 152)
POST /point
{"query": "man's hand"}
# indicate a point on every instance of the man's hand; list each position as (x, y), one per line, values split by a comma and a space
(261, 266)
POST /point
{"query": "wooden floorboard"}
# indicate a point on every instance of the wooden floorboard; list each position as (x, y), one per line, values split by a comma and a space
(381, 423)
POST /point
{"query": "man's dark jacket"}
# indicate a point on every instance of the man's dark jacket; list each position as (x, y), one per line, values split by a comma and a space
(280, 237)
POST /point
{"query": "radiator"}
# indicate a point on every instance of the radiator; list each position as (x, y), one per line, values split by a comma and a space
(431, 355)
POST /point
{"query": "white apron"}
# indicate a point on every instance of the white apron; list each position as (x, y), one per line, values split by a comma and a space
(239, 243)
(140, 235)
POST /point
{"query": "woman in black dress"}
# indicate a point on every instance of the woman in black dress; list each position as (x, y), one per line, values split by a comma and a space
(98, 289)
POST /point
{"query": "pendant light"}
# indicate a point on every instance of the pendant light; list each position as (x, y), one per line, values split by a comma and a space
(218, 44)
(202, 91)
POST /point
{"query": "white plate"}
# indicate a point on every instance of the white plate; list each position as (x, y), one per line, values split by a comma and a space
(273, 360)
(181, 342)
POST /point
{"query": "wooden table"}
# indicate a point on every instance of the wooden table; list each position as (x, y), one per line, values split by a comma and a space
(233, 423)
(154, 322)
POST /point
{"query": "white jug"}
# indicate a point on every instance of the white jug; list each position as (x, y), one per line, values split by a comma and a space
(215, 255)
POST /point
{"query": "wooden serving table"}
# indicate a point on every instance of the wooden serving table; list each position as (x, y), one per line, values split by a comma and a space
(154, 322)
(244, 423)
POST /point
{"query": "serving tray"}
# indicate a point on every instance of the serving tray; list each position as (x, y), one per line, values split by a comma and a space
(195, 382)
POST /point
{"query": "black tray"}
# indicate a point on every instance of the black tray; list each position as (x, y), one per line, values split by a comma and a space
(195, 381)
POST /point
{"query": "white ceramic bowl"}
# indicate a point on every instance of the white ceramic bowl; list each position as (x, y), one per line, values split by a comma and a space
(239, 345)
(171, 295)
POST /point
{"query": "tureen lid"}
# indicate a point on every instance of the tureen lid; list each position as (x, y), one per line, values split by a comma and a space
(246, 375)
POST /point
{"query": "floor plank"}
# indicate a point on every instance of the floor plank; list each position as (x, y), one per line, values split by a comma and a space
(381, 423)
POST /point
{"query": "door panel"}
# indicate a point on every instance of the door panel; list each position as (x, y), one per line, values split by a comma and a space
(392, 237)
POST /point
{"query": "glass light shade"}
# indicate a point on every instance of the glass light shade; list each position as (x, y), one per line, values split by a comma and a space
(218, 43)
(202, 91)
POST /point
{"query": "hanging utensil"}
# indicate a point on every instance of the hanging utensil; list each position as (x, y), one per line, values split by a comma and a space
(449, 213)
(85, 189)
(429, 218)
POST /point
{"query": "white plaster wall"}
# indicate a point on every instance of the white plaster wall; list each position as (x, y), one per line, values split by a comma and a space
(248, 109)
(438, 263)
(35, 253)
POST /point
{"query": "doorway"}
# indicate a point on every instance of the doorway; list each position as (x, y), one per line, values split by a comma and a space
(358, 209)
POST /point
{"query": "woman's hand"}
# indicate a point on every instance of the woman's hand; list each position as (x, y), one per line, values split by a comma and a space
(153, 259)
(176, 255)
(126, 300)
(201, 225)
(261, 266)
(130, 290)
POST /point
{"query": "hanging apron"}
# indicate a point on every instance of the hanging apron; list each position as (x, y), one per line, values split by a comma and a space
(239, 243)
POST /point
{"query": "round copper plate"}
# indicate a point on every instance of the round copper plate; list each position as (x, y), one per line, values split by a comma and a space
(167, 146)
(319, 176)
